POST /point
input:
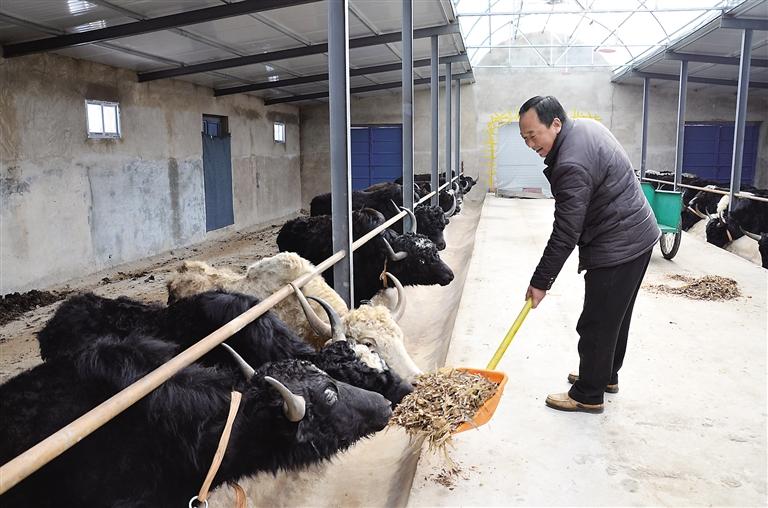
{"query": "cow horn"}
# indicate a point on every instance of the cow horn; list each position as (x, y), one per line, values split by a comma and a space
(393, 256)
(695, 211)
(751, 235)
(720, 217)
(410, 214)
(399, 309)
(246, 369)
(294, 405)
(453, 207)
(337, 333)
(318, 325)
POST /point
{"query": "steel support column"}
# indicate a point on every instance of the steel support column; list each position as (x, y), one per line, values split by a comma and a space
(338, 109)
(434, 91)
(644, 139)
(741, 115)
(407, 96)
(448, 133)
(683, 92)
(457, 150)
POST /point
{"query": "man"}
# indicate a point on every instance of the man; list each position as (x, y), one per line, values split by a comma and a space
(600, 207)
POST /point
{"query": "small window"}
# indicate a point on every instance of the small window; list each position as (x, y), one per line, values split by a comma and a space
(103, 119)
(279, 132)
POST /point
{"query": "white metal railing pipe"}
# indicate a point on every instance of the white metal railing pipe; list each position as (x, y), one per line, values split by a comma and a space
(740, 195)
(423, 199)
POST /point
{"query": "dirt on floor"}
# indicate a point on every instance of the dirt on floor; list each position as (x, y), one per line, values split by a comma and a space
(23, 315)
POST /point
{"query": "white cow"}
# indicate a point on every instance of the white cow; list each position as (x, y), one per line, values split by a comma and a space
(372, 327)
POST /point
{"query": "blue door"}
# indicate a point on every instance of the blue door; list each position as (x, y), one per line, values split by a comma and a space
(217, 174)
(708, 151)
(377, 155)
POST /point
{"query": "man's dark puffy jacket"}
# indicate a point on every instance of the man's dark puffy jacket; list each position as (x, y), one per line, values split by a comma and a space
(599, 204)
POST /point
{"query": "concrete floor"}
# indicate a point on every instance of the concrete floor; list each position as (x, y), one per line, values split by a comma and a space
(689, 425)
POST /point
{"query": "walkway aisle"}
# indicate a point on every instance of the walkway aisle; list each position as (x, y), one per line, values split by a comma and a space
(687, 428)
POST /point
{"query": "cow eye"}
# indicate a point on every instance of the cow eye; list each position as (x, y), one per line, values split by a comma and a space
(331, 395)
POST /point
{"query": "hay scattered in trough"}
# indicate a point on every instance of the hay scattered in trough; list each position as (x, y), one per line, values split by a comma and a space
(441, 402)
(709, 287)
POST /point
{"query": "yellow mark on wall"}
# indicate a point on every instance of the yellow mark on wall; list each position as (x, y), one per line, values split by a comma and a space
(502, 118)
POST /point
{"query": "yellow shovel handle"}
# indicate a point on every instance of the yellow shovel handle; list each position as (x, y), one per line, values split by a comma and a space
(510, 335)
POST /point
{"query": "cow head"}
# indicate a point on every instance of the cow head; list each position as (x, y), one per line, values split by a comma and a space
(466, 183)
(432, 221)
(320, 415)
(721, 231)
(416, 261)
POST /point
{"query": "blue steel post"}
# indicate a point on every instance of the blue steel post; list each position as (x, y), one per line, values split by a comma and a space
(448, 133)
(682, 94)
(407, 81)
(644, 140)
(434, 90)
(338, 109)
(741, 115)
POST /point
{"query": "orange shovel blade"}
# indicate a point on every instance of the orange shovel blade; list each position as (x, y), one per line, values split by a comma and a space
(489, 407)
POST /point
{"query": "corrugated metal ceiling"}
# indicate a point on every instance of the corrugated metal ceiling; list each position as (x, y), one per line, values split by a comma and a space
(256, 33)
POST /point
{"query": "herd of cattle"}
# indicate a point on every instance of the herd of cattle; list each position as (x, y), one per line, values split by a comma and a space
(743, 230)
(316, 376)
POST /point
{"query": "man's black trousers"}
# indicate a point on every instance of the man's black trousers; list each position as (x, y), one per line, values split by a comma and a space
(609, 296)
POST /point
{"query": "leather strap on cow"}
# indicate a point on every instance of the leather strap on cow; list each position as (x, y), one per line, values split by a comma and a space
(202, 496)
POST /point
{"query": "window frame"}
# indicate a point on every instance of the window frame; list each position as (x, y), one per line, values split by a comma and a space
(103, 134)
(274, 132)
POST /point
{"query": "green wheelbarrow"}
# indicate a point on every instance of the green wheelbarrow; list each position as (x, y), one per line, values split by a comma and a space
(666, 206)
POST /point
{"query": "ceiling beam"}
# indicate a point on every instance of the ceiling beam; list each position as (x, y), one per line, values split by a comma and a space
(713, 59)
(314, 49)
(696, 79)
(376, 69)
(147, 26)
(363, 89)
(744, 23)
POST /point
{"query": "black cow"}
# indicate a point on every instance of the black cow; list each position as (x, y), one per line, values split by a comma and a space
(386, 197)
(747, 217)
(412, 258)
(448, 199)
(158, 451)
(81, 318)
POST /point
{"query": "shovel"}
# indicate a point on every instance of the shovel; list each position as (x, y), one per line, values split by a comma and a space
(486, 411)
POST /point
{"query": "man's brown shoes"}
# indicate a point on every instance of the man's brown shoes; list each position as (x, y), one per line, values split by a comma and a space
(563, 402)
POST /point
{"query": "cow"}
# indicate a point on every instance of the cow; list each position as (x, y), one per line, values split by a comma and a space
(412, 258)
(448, 199)
(387, 198)
(81, 318)
(738, 229)
(261, 279)
(372, 326)
(157, 452)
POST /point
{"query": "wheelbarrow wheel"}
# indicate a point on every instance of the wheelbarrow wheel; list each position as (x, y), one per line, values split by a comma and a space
(670, 243)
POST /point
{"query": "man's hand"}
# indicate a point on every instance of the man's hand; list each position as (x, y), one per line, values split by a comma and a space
(536, 295)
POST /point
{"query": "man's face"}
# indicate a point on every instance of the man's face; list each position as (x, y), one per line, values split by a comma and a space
(536, 135)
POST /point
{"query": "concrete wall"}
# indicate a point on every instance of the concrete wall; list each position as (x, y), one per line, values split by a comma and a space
(497, 91)
(71, 205)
